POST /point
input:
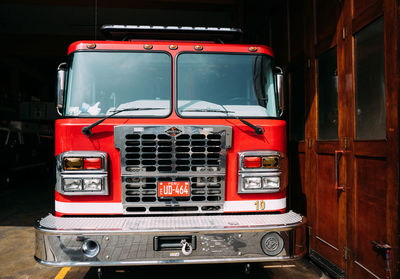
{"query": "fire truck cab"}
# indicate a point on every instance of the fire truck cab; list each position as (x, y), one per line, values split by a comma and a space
(169, 152)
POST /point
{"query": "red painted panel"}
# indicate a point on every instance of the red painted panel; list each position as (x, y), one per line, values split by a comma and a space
(164, 46)
(69, 137)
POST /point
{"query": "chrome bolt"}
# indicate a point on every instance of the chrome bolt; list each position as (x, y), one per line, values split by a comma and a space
(107, 257)
(107, 238)
(240, 235)
(239, 253)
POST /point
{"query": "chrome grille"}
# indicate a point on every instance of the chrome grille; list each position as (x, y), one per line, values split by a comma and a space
(165, 153)
(152, 154)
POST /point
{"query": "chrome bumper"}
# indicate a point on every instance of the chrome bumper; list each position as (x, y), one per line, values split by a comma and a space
(134, 240)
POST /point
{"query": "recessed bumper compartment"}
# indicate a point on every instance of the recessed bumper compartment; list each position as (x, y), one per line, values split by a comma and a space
(174, 242)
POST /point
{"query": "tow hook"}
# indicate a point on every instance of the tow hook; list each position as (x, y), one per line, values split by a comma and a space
(186, 247)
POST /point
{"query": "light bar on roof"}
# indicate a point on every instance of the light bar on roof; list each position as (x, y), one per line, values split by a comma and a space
(111, 27)
(170, 32)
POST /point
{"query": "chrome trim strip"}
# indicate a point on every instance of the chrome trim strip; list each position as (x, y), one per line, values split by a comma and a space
(366, 269)
(327, 243)
(174, 262)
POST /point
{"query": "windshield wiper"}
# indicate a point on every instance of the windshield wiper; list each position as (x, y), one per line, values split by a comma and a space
(257, 130)
(87, 130)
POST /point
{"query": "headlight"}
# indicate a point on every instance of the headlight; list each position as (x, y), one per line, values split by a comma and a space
(263, 171)
(252, 182)
(271, 182)
(72, 184)
(94, 184)
(82, 173)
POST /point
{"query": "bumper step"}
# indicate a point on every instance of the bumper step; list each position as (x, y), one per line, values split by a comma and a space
(112, 241)
(172, 224)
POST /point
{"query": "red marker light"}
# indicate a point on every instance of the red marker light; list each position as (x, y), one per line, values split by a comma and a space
(91, 46)
(252, 162)
(253, 49)
(198, 47)
(92, 163)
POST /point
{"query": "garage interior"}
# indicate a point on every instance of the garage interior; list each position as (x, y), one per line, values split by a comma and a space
(341, 61)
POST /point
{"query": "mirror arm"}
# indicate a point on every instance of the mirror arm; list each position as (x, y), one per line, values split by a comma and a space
(280, 83)
(61, 69)
(58, 111)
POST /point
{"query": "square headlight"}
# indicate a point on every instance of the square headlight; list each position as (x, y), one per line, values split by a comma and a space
(92, 184)
(271, 182)
(72, 184)
(252, 182)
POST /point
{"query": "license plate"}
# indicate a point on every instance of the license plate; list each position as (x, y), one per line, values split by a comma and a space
(174, 189)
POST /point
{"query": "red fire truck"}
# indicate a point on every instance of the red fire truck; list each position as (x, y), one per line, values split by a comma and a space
(169, 152)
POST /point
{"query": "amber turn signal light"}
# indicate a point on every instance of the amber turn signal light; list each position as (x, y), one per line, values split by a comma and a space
(72, 163)
(270, 162)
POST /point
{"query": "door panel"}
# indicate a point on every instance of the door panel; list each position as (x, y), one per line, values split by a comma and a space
(370, 221)
(328, 208)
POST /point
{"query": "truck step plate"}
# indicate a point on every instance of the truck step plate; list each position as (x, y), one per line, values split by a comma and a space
(182, 223)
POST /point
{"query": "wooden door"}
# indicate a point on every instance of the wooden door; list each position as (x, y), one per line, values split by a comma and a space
(326, 131)
(329, 228)
(373, 154)
(352, 135)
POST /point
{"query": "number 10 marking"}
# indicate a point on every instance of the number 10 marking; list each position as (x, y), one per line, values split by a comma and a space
(260, 205)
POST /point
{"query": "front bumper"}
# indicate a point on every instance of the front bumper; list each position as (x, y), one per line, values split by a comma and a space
(133, 240)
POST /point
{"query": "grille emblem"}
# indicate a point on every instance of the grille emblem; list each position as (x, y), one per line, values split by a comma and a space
(173, 131)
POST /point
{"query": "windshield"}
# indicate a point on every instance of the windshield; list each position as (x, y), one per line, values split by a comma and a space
(100, 83)
(220, 85)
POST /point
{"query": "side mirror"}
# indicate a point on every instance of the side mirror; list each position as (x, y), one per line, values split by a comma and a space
(61, 73)
(280, 88)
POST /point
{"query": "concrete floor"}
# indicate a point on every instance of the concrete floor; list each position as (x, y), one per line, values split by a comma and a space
(22, 205)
